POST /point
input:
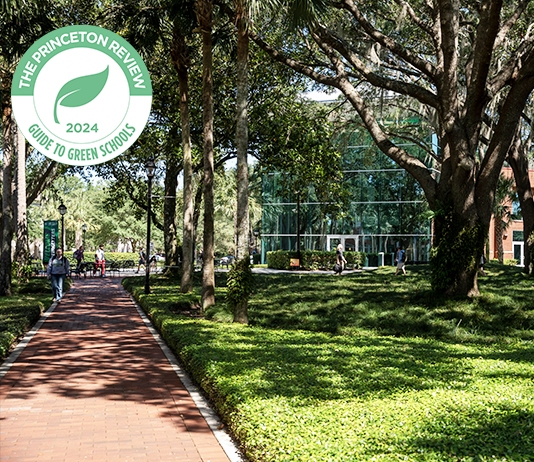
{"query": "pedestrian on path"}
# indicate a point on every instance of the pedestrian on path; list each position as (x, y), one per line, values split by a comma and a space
(57, 271)
(481, 265)
(78, 255)
(142, 259)
(400, 260)
(340, 261)
(100, 261)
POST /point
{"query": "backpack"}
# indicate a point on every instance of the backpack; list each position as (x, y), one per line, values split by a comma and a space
(403, 256)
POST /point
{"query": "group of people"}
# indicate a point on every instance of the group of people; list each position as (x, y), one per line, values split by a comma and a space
(143, 260)
(400, 260)
(58, 268)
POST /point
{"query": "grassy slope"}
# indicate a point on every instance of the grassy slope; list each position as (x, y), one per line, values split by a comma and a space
(454, 383)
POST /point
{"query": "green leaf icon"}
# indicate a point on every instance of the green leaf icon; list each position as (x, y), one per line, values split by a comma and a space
(81, 90)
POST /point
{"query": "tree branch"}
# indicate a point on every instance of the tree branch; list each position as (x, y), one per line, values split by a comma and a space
(292, 63)
(47, 174)
(511, 68)
(411, 164)
(417, 20)
(320, 33)
(424, 66)
(510, 22)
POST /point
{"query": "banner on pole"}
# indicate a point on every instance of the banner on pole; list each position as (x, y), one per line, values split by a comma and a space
(51, 234)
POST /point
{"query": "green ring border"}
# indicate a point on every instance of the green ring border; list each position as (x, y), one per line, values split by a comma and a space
(27, 57)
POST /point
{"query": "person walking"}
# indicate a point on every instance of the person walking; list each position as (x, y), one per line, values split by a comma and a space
(100, 261)
(481, 265)
(142, 259)
(57, 271)
(400, 260)
(340, 261)
(78, 255)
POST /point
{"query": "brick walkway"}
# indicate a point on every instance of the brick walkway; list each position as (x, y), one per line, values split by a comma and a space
(93, 385)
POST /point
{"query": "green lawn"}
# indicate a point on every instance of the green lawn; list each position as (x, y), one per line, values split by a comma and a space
(368, 366)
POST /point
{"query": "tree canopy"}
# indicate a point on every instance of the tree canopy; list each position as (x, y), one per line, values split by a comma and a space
(465, 68)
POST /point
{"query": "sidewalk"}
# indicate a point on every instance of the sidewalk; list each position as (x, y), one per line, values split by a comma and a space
(94, 385)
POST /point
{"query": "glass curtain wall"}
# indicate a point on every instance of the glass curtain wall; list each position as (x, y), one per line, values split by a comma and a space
(387, 209)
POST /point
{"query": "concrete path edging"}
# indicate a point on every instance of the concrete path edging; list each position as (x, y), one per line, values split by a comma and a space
(10, 360)
(207, 412)
(64, 397)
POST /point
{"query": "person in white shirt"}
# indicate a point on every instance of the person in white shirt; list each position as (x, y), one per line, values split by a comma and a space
(100, 261)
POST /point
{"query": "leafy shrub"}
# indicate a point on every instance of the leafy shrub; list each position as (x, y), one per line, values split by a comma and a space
(313, 259)
(292, 395)
(22, 310)
(240, 284)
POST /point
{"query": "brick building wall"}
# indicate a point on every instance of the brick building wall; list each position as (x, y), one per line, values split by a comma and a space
(512, 248)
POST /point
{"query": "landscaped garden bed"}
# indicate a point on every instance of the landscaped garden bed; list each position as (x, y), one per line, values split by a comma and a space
(364, 367)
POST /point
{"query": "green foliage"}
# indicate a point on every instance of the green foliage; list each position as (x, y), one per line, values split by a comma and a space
(299, 144)
(240, 283)
(377, 300)
(21, 311)
(108, 219)
(296, 395)
(18, 271)
(454, 252)
(313, 259)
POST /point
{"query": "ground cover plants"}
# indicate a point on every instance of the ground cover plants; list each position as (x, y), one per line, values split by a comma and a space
(21, 311)
(368, 366)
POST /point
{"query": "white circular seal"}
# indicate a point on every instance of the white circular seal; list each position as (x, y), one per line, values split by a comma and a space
(81, 95)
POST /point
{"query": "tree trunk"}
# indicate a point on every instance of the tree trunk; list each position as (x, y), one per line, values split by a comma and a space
(197, 208)
(21, 221)
(242, 216)
(241, 312)
(180, 57)
(7, 201)
(519, 163)
(205, 15)
(498, 238)
(456, 252)
(170, 223)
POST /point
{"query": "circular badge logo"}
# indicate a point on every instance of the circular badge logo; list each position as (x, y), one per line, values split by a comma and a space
(81, 95)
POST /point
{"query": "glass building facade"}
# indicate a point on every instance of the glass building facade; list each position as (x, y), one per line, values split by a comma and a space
(387, 208)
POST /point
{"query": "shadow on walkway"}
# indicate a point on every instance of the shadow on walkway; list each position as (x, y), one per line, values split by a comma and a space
(93, 384)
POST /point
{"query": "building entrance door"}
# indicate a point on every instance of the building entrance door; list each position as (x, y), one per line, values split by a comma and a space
(349, 243)
(519, 253)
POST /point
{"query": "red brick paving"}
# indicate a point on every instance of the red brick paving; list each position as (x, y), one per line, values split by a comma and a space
(93, 385)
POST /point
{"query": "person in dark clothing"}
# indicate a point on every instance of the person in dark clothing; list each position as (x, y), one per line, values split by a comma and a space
(78, 255)
(57, 271)
(400, 260)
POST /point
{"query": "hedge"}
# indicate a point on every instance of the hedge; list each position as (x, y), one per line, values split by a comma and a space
(19, 312)
(313, 259)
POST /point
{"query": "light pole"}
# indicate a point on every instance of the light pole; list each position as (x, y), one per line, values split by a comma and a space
(84, 229)
(62, 211)
(298, 230)
(150, 167)
(256, 234)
